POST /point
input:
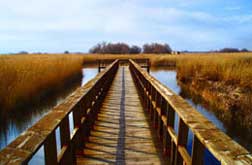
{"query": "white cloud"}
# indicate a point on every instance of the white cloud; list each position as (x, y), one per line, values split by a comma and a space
(133, 21)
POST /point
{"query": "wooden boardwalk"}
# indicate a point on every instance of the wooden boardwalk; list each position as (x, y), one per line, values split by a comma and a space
(110, 126)
(121, 134)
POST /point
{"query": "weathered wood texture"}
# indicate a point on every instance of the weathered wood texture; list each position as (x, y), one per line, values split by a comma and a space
(162, 104)
(111, 126)
(84, 104)
(121, 133)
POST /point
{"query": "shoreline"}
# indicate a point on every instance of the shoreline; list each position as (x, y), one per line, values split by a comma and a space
(229, 103)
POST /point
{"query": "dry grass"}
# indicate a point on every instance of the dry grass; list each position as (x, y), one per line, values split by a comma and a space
(155, 59)
(231, 69)
(224, 81)
(24, 76)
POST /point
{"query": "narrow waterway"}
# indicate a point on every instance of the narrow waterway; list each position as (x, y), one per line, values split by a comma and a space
(13, 125)
(168, 78)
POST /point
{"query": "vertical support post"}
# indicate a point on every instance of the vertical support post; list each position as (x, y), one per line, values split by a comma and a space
(155, 113)
(148, 99)
(182, 140)
(163, 106)
(64, 132)
(77, 124)
(150, 103)
(69, 157)
(173, 152)
(197, 151)
(99, 66)
(169, 147)
(50, 150)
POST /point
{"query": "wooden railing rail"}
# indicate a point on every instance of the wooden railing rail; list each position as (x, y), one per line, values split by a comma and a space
(83, 105)
(143, 62)
(162, 104)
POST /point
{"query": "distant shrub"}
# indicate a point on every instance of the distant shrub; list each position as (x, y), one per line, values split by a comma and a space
(157, 48)
(229, 50)
(123, 48)
(244, 50)
(23, 52)
(135, 49)
(110, 48)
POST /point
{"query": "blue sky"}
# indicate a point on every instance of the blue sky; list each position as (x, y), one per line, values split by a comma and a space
(76, 25)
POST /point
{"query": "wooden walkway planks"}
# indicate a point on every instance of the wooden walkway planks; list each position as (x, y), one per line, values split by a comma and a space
(121, 134)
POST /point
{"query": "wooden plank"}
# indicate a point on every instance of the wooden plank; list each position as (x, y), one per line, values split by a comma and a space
(121, 133)
(226, 150)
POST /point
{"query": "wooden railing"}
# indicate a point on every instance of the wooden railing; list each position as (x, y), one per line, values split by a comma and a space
(83, 105)
(162, 104)
(143, 62)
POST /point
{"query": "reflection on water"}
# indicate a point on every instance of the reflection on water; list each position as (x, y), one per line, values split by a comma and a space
(89, 74)
(168, 77)
(16, 122)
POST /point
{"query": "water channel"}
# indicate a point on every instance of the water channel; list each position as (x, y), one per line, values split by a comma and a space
(15, 125)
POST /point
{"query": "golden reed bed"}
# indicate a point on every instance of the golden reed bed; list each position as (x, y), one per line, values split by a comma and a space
(24, 78)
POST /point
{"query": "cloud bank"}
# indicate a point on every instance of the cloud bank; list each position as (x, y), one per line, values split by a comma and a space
(55, 25)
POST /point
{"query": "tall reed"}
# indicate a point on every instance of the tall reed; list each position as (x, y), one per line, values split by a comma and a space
(24, 78)
(231, 69)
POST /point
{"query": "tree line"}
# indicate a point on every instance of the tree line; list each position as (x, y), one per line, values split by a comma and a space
(123, 48)
(233, 50)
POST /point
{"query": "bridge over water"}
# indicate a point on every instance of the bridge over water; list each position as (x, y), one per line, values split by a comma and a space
(124, 116)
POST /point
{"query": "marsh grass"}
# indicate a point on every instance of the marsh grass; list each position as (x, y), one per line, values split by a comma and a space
(24, 76)
(231, 69)
(27, 78)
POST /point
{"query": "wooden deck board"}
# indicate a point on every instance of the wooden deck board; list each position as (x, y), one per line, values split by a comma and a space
(121, 133)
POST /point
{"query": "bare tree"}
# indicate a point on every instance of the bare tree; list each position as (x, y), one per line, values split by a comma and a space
(135, 49)
(157, 48)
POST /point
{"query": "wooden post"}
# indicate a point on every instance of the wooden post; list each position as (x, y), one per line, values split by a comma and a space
(172, 152)
(163, 107)
(197, 151)
(69, 157)
(99, 66)
(182, 140)
(170, 123)
(155, 113)
(148, 94)
(77, 124)
(50, 150)
(64, 132)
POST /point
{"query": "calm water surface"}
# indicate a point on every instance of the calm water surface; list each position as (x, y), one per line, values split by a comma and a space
(168, 77)
(13, 125)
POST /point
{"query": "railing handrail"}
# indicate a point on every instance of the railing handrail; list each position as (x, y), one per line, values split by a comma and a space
(206, 134)
(81, 103)
(137, 60)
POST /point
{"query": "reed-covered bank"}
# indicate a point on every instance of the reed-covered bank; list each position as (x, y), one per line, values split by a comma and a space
(155, 59)
(226, 75)
(25, 79)
(224, 82)
(221, 80)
